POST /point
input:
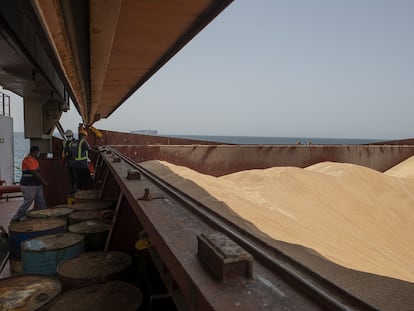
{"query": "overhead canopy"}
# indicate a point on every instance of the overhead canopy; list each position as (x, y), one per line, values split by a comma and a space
(103, 51)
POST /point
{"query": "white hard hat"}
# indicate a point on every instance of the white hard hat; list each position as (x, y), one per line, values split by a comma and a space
(68, 133)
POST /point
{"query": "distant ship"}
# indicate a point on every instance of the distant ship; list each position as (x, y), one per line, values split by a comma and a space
(145, 132)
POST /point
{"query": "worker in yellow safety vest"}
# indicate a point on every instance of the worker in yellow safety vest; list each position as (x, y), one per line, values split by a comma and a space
(79, 150)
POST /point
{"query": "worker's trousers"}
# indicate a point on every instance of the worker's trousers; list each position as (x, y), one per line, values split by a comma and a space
(30, 194)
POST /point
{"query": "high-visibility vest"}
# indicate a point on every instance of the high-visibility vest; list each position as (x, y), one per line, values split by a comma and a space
(30, 164)
(81, 156)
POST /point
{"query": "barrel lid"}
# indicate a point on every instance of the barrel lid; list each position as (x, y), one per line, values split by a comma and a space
(28, 292)
(84, 215)
(93, 265)
(110, 296)
(52, 242)
(88, 194)
(63, 205)
(89, 226)
(86, 206)
(50, 212)
(34, 225)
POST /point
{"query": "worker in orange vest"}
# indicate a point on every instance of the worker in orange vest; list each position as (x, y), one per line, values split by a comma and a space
(31, 184)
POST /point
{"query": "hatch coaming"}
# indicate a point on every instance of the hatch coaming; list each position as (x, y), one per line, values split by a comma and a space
(219, 159)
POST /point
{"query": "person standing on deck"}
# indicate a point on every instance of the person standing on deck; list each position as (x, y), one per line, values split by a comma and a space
(67, 160)
(31, 184)
(80, 152)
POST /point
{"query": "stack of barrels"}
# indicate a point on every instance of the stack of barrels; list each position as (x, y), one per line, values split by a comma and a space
(58, 254)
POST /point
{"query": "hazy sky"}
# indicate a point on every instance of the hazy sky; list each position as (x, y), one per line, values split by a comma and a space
(319, 68)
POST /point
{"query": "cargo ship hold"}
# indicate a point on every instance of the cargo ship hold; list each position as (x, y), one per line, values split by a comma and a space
(144, 235)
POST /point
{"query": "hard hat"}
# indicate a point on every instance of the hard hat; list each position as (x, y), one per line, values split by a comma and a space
(68, 133)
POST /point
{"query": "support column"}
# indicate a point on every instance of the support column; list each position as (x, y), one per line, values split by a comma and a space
(40, 117)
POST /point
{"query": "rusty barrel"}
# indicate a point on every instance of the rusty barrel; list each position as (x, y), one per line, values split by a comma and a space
(28, 292)
(80, 216)
(28, 229)
(55, 212)
(110, 296)
(42, 255)
(88, 206)
(93, 268)
(95, 232)
(82, 196)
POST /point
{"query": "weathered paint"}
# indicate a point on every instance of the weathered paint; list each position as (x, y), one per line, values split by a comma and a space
(14, 292)
(95, 233)
(113, 295)
(218, 159)
(43, 254)
(28, 229)
(93, 268)
(225, 159)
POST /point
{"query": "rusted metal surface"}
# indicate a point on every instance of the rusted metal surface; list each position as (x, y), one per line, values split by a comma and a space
(51, 212)
(80, 216)
(58, 185)
(133, 174)
(95, 232)
(9, 189)
(87, 206)
(173, 230)
(28, 292)
(111, 296)
(225, 159)
(219, 159)
(93, 268)
(126, 229)
(42, 254)
(223, 257)
(119, 138)
(90, 195)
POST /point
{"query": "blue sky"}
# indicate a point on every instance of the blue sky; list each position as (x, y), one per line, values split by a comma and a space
(320, 68)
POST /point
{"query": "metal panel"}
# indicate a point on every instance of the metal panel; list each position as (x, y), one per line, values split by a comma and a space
(6, 150)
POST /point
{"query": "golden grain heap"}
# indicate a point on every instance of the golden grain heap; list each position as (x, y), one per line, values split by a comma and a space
(352, 216)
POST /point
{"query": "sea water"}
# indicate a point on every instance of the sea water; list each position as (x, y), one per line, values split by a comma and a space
(21, 149)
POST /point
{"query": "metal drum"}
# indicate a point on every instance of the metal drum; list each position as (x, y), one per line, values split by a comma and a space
(80, 216)
(82, 196)
(28, 292)
(93, 268)
(29, 229)
(95, 232)
(88, 206)
(110, 296)
(43, 254)
(56, 212)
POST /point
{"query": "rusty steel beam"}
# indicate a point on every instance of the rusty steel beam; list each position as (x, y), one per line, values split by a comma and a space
(173, 230)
